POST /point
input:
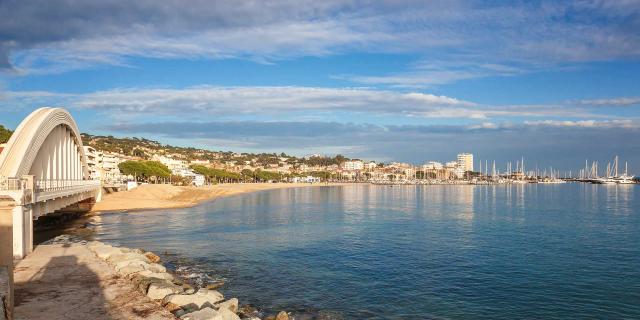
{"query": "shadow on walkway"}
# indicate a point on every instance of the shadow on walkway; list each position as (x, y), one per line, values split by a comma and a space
(63, 289)
(55, 283)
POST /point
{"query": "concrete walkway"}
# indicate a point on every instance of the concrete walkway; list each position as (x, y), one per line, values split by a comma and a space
(69, 282)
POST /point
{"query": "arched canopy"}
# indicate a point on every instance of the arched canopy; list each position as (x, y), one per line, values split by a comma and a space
(46, 144)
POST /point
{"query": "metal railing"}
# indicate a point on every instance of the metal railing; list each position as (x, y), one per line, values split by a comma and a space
(12, 184)
(53, 185)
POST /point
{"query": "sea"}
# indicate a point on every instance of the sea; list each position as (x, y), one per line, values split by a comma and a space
(534, 251)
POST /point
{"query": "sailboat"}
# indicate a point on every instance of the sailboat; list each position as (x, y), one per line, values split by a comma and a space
(624, 178)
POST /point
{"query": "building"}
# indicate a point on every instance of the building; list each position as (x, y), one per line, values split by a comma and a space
(432, 165)
(370, 166)
(110, 170)
(94, 162)
(465, 162)
(353, 165)
(178, 167)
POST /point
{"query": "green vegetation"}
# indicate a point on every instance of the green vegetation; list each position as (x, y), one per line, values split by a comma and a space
(142, 148)
(146, 170)
(217, 174)
(5, 134)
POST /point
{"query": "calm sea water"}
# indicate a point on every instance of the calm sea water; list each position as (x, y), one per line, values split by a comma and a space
(407, 252)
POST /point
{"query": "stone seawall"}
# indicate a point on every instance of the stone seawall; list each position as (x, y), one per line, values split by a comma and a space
(69, 278)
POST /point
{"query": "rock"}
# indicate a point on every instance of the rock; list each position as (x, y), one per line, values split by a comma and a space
(188, 289)
(152, 257)
(227, 314)
(125, 263)
(128, 270)
(283, 315)
(179, 313)
(202, 298)
(172, 307)
(145, 273)
(247, 311)
(204, 314)
(161, 275)
(104, 252)
(231, 304)
(212, 295)
(138, 251)
(159, 290)
(116, 258)
(154, 267)
(215, 285)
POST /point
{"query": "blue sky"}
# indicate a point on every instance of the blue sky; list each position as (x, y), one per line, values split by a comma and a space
(553, 81)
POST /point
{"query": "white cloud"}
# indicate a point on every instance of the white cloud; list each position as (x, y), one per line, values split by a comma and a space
(617, 123)
(57, 36)
(621, 101)
(230, 102)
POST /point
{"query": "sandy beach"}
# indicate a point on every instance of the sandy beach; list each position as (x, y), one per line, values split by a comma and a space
(161, 196)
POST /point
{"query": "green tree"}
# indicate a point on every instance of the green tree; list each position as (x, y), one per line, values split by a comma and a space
(5, 134)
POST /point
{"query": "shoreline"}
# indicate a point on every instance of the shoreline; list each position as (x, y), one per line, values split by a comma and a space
(161, 196)
(72, 278)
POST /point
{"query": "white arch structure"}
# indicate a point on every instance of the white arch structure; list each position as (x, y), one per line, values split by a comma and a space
(43, 168)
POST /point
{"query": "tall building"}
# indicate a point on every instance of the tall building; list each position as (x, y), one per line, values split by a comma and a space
(465, 161)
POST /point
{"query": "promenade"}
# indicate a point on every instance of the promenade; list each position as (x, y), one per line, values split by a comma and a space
(67, 281)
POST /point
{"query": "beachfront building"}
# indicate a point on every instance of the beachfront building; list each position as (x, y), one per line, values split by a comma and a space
(109, 168)
(352, 165)
(465, 161)
(94, 162)
(177, 166)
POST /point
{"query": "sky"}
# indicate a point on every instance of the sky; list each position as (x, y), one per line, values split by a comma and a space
(556, 82)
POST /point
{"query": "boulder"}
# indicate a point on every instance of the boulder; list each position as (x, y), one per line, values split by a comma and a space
(204, 314)
(202, 298)
(227, 314)
(128, 270)
(116, 258)
(231, 304)
(152, 257)
(172, 307)
(188, 289)
(154, 267)
(159, 290)
(215, 285)
(213, 295)
(248, 311)
(125, 263)
(142, 283)
(105, 252)
(283, 315)
(161, 275)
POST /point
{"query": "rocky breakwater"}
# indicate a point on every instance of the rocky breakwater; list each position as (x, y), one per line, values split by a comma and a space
(153, 280)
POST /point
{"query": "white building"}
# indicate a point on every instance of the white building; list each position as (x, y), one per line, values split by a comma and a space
(432, 165)
(94, 162)
(370, 166)
(178, 167)
(353, 165)
(110, 170)
(465, 162)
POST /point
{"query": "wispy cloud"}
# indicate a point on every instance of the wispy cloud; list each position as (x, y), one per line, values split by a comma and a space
(199, 101)
(56, 36)
(620, 101)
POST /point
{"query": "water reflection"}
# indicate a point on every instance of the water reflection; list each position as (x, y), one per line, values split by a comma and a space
(518, 251)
